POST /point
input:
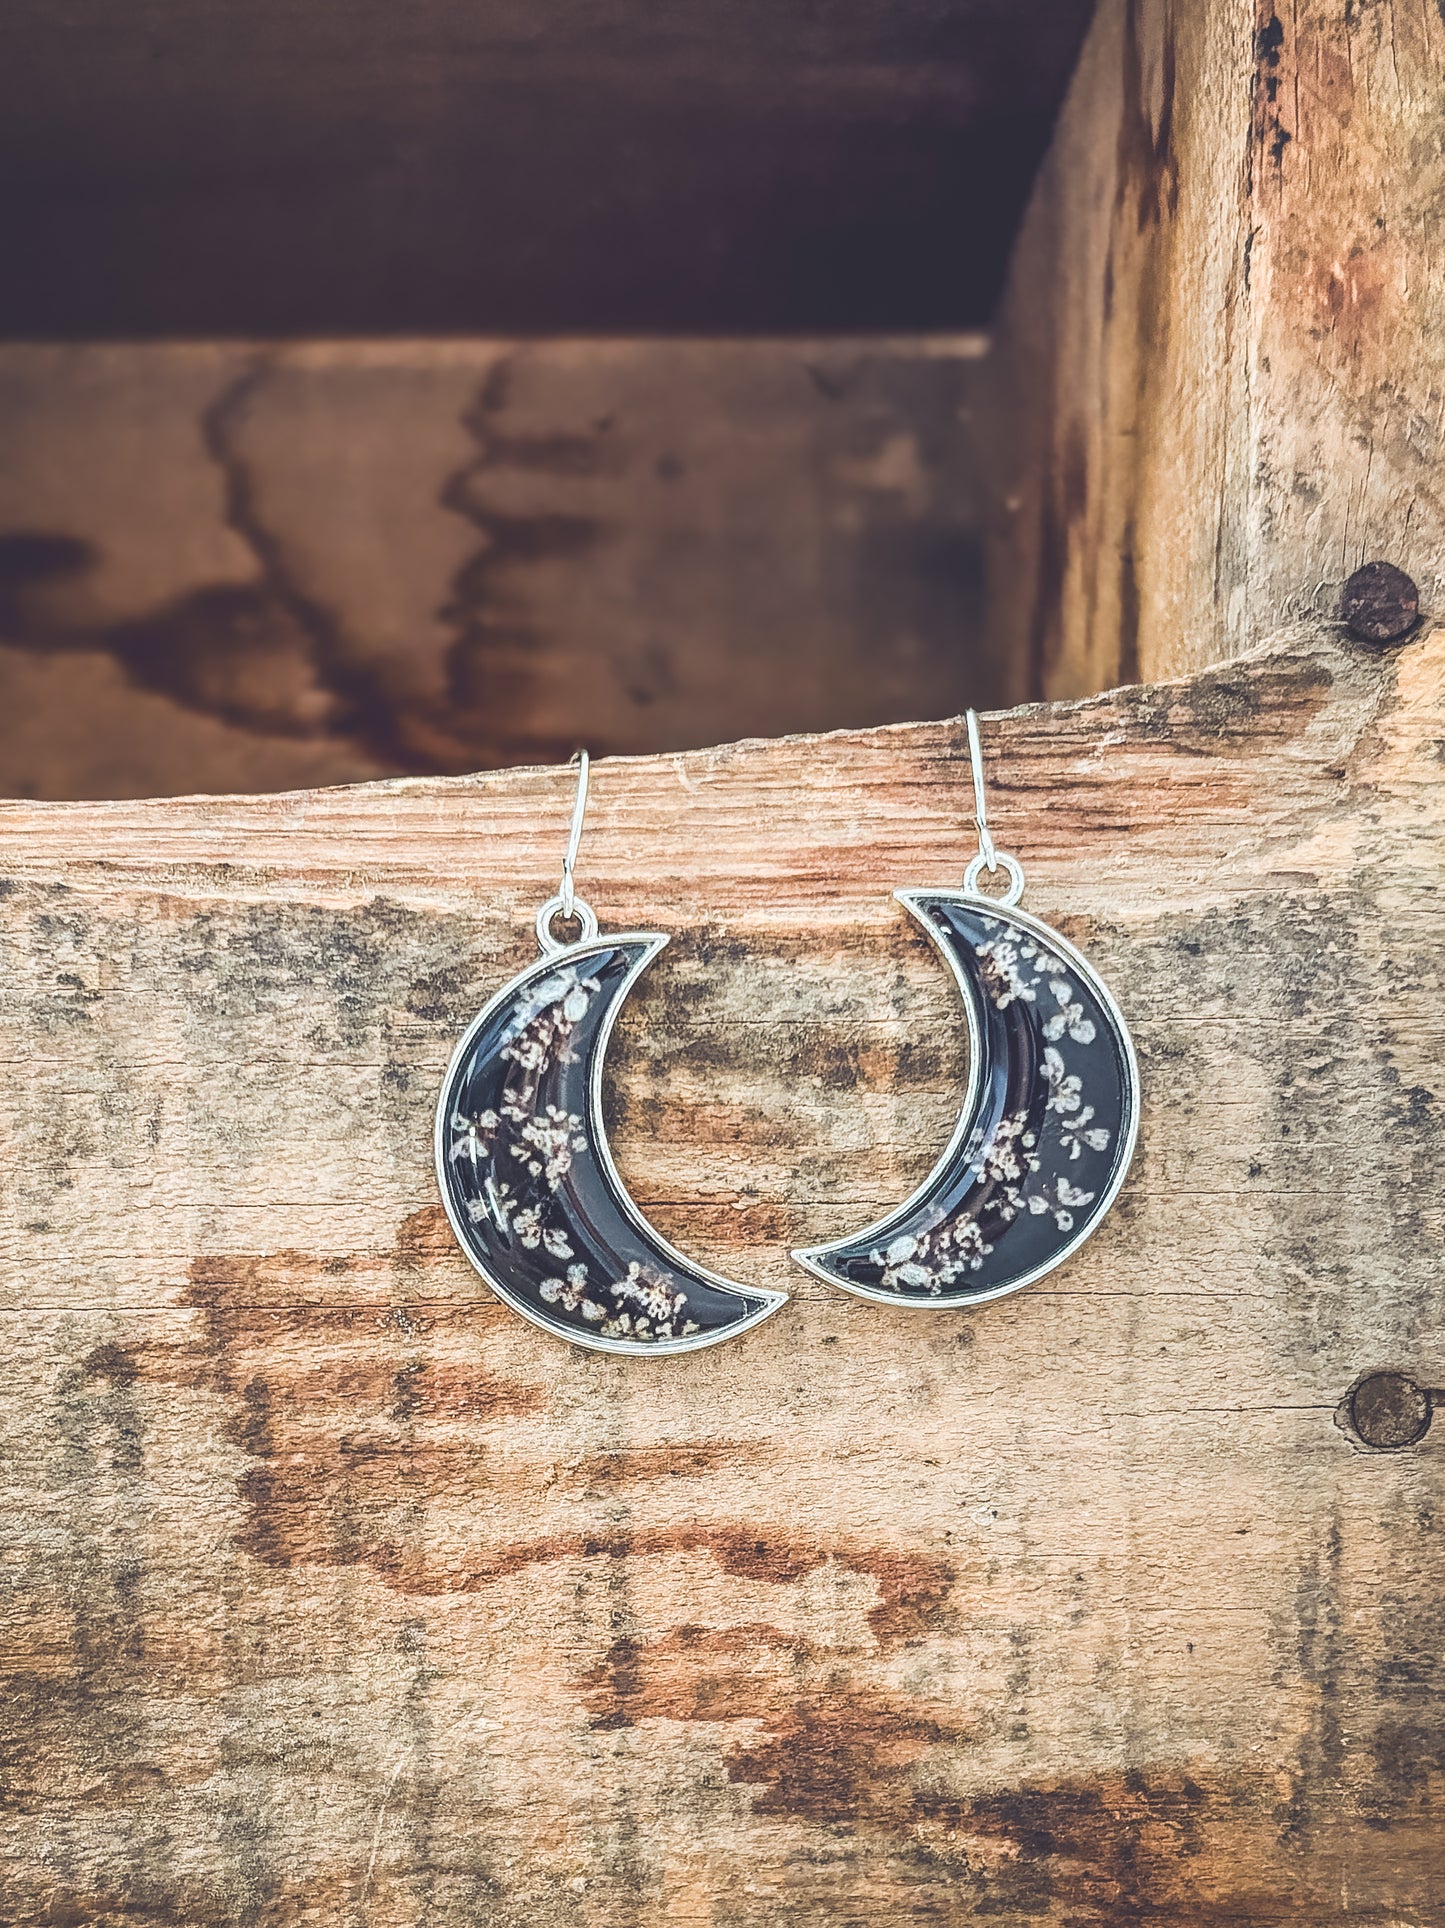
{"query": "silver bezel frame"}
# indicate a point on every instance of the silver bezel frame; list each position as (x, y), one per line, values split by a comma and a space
(808, 1256)
(593, 1342)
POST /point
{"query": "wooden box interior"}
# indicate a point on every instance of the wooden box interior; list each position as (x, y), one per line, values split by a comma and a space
(425, 390)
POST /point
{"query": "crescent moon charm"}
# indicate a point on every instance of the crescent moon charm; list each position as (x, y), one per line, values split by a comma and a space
(1046, 1133)
(528, 1179)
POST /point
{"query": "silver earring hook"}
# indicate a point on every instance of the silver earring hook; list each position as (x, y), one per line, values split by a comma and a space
(579, 811)
(989, 858)
(567, 904)
(980, 808)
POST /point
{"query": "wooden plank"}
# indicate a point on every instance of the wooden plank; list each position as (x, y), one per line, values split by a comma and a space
(333, 1592)
(1221, 369)
(228, 568)
(518, 166)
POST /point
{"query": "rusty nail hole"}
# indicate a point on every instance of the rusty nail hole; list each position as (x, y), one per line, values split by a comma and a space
(1380, 604)
(1387, 1411)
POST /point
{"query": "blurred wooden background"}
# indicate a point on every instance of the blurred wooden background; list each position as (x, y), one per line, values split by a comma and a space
(1210, 389)
(353, 167)
(234, 568)
(306, 544)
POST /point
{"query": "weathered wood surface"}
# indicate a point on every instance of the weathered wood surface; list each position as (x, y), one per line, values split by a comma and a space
(335, 1593)
(1221, 372)
(228, 568)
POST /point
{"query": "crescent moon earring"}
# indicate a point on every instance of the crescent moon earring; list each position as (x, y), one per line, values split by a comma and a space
(1049, 1123)
(522, 1158)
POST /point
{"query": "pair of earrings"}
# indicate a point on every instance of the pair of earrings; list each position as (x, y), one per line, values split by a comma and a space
(1039, 1152)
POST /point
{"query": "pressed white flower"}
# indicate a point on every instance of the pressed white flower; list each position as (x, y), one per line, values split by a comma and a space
(554, 1243)
(1003, 1160)
(1071, 1194)
(527, 1051)
(1069, 1017)
(1064, 1086)
(999, 967)
(475, 1134)
(1078, 1132)
(552, 1136)
(930, 1260)
(563, 998)
(499, 1202)
(569, 1292)
(527, 1225)
(648, 1292)
(966, 1232)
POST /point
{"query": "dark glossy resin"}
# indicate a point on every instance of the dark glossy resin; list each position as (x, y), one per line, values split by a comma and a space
(1038, 1154)
(529, 1182)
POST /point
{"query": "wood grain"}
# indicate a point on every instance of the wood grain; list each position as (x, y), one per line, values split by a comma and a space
(335, 1593)
(1220, 374)
(230, 568)
(524, 167)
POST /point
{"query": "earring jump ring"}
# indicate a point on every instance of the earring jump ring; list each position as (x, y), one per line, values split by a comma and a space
(555, 907)
(1012, 868)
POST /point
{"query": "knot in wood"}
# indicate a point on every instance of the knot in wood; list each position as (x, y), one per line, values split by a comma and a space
(1380, 604)
(1387, 1411)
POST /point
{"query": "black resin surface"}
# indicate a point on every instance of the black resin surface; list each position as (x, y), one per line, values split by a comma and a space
(1039, 1152)
(528, 1180)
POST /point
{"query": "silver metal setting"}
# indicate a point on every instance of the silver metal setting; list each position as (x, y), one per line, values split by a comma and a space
(594, 1342)
(808, 1256)
(568, 906)
(991, 859)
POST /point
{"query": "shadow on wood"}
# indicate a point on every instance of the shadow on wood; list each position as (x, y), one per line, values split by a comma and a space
(225, 569)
